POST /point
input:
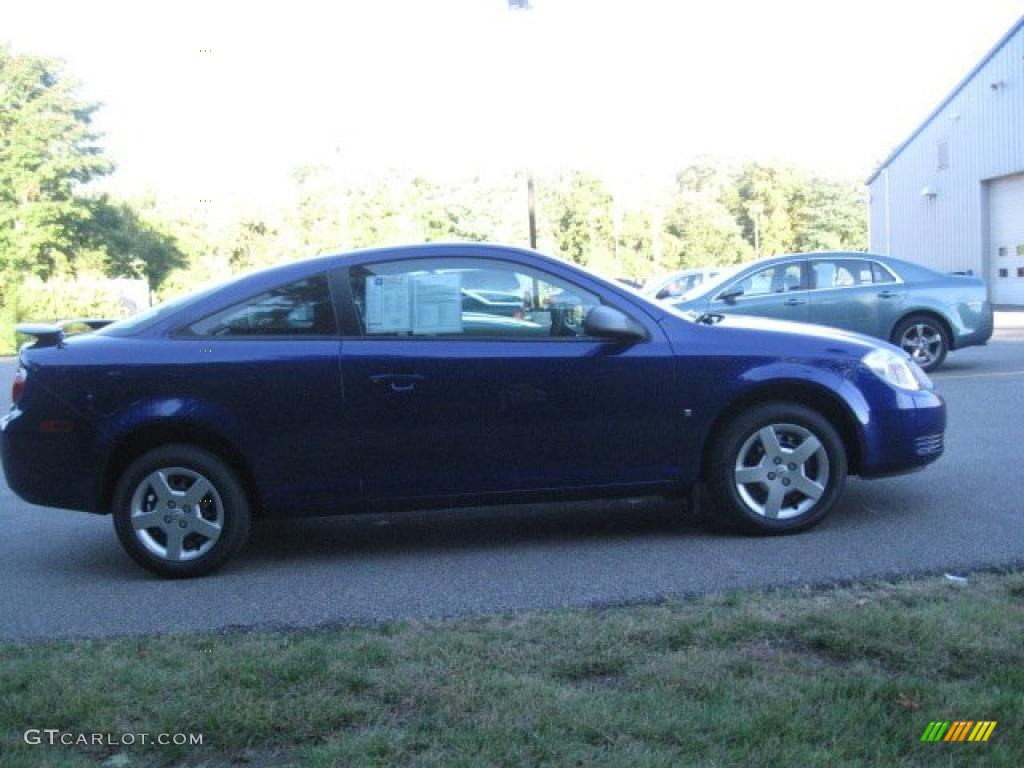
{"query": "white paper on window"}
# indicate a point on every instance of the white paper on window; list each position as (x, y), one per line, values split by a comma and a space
(387, 304)
(437, 303)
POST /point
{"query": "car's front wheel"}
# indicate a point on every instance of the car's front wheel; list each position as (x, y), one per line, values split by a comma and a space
(180, 511)
(776, 468)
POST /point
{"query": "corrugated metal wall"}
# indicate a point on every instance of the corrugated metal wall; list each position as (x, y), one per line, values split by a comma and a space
(983, 126)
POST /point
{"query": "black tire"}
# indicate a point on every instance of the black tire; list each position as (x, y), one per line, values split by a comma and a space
(932, 356)
(227, 500)
(789, 422)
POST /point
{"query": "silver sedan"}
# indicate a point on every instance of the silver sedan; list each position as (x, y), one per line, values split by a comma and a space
(925, 312)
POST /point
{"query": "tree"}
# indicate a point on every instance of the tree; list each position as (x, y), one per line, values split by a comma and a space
(635, 244)
(126, 244)
(252, 244)
(705, 177)
(379, 212)
(445, 213)
(760, 197)
(830, 215)
(579, 214)
(316, 222)
(48, 149)
(701, 232)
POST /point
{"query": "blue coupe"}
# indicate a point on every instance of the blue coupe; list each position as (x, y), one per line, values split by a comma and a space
(397, 378)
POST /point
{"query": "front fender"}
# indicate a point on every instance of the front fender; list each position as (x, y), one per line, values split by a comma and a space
(832, 378)
(828, 385)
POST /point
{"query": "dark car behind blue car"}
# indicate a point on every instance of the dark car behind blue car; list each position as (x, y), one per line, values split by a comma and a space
(363, 382)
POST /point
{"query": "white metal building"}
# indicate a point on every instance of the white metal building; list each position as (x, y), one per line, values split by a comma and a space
(951, 196)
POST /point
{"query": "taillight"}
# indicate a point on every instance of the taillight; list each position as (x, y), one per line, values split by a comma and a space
(19, 384)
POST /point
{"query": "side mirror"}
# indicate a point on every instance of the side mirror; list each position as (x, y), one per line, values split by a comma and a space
(609, 323)
(729, 296)
(662, 294)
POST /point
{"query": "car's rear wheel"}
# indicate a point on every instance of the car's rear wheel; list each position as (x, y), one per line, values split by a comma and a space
(180, 511)
(776, 468)
(923, 338)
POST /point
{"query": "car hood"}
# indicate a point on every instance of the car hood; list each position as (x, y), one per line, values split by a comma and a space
(803, 337)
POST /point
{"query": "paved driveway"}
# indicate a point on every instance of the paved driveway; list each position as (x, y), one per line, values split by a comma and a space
(64, 573)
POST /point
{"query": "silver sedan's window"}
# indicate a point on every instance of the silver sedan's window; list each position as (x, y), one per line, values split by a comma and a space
(775, 279)
(846, 273)
(881, 274)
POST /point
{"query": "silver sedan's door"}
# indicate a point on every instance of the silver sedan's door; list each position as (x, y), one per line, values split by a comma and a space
(845, 295)
(778, 291)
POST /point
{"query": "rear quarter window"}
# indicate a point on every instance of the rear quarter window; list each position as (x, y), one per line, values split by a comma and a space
(302, 308)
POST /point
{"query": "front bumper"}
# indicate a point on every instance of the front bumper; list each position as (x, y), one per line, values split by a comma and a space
(905, 435)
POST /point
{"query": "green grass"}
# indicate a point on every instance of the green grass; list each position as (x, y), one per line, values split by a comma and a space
(845, 676)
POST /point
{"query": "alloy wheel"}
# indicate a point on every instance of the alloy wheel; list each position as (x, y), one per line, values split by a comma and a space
(177, 514)
(923, 342)
(781, 471)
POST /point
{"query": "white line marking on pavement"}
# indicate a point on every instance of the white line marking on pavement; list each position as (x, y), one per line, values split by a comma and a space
(979, 375)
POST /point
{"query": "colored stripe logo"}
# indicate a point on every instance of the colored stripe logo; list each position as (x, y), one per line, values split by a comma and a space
(959, 730)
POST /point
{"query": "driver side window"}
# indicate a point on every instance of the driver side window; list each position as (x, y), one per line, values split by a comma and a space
(466, 297)
(779, 278)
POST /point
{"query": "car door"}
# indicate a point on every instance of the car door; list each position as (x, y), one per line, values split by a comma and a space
(854, 294)
(778, 291)
(446, 398)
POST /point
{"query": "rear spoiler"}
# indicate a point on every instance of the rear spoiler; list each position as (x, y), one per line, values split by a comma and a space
(53, 334)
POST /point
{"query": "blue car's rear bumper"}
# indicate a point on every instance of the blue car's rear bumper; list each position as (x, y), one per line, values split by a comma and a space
(49, 468)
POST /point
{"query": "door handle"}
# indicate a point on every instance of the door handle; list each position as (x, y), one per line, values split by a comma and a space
(795, 302)
(887, 294)
(398, 382)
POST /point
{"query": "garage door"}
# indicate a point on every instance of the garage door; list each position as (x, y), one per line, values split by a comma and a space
(1006, 207)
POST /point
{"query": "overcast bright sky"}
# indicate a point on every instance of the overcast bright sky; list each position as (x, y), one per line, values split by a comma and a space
(637, 86)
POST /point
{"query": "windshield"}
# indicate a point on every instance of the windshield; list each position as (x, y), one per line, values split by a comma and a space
(655, 285)
(712, 283)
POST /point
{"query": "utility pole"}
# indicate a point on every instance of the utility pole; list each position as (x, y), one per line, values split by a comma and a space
(755, 210)
(531, 207)
(531, 210)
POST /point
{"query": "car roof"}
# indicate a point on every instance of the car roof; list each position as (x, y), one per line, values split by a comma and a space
(900, 265)
(770, 260)
(903, 268)
(296, 270)
(243, 286)
(416, 250)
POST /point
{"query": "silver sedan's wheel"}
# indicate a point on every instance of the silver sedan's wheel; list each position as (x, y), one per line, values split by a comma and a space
(923, 343)
(775, 468)
(923, 338)
(181, 511)
(781, 471)
(177, 514)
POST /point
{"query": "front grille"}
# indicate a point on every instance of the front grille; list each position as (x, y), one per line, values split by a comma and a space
(928, 445)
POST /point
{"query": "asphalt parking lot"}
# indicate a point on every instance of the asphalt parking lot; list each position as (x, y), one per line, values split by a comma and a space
(65, 574)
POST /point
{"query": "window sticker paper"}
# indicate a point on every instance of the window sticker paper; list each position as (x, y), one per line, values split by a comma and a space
(437, 304)
(387, 304)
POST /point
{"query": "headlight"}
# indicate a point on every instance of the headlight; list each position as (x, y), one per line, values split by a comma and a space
(895, 369)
